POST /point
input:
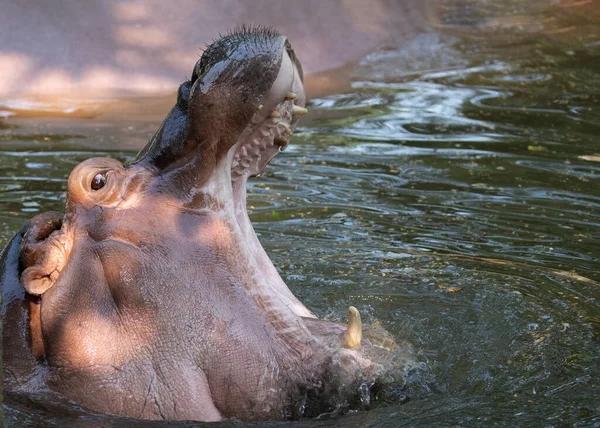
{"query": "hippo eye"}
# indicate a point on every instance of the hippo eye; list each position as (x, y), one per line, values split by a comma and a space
(98, 181)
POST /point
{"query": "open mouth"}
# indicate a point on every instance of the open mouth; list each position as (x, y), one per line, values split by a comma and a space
(269, 136)
(273, 123)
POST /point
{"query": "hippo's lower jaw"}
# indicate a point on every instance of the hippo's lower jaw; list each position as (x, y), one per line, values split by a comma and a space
(157, 298)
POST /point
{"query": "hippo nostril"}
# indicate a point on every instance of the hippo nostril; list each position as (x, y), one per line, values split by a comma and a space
(98, 181)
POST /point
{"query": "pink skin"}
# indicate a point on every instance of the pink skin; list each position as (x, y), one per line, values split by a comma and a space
(156, 298)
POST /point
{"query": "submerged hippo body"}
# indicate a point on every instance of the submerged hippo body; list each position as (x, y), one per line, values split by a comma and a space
(151, 296)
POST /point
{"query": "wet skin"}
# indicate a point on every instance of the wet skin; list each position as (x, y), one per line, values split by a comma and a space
(151, 296)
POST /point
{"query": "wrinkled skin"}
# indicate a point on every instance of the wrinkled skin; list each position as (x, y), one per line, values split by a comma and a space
(151, 296)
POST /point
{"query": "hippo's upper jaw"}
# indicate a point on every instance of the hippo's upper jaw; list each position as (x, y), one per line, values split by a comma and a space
(157, 299)
(236, 113)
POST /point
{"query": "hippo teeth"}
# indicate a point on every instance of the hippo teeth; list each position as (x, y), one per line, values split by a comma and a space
(353, 335)
(270, 135)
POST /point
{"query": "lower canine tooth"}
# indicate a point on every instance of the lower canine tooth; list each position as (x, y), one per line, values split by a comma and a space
(291, 96)
(275, 114)
(353, 334)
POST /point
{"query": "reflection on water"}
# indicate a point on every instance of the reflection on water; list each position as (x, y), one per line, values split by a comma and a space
(456, 201)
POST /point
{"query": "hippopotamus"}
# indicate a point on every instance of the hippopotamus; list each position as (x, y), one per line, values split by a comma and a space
(151, 296)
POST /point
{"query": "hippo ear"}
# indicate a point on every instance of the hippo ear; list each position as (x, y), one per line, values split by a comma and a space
(42, 254)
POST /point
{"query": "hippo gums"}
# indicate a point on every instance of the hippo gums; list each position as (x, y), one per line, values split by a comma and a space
(151, 297)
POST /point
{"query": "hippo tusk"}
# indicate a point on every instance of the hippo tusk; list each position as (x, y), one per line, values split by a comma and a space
(353, 334)
(275, 114)
(299, 110)
(291, 96)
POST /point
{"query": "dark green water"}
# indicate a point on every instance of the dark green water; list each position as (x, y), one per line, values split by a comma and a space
(452, 194)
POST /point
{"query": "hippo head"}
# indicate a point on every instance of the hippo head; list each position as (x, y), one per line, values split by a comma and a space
(155, 298)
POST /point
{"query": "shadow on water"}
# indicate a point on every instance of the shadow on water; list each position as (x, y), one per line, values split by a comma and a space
(452, 194)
